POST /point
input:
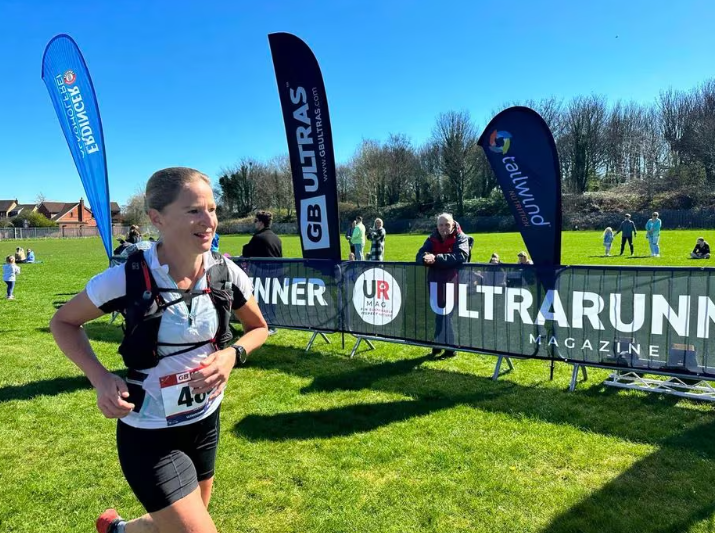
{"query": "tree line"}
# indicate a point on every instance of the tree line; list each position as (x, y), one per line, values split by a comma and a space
(664, 145)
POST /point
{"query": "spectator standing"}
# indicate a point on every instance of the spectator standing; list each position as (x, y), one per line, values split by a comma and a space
(377, 238)
(9, 272)
(348, 236)
(652, 233)
(358, 238)
(608, 240)
(443, 252)
(628, 231)
(264, 242)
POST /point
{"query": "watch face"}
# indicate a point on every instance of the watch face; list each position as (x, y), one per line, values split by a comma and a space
(240, 354)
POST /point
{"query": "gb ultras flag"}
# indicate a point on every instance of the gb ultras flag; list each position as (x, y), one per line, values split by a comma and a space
(67, 79)
(310, 145)
(522, 153)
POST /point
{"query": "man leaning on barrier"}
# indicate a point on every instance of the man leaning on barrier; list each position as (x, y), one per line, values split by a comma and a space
(443, 251)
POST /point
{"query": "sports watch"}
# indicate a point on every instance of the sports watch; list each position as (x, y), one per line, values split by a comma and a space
(241, 355)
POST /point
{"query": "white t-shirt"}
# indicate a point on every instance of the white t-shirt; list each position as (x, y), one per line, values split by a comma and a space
(166, 401)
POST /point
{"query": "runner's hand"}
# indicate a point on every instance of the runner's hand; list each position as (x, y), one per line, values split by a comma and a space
(214, 373)
(111, 395)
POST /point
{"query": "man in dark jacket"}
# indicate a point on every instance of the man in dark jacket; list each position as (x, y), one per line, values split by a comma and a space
(442, 253)
(701, 250)
(628, 231)
(264, 242)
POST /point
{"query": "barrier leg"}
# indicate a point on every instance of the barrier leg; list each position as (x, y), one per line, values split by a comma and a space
(371, 345)
(574, 376)
(355, 348)
(585, 374)
(315, 336)
(497, 368)
(311, 341)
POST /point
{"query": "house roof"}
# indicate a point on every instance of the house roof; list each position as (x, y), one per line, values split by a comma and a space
(19, 208)
(114, 208)
(55, 207)
(6, 205)
(65, 209)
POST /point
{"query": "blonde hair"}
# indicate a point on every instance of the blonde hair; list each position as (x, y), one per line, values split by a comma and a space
(10, 259)
(165, 185)
(609, 229)
(380, 221)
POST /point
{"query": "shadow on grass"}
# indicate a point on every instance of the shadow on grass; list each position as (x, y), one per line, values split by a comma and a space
(49, 387)
(667, 492)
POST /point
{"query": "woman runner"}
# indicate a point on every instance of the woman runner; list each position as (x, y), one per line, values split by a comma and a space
(168, 427)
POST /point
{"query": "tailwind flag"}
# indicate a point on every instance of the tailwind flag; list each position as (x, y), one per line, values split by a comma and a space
(522, 153)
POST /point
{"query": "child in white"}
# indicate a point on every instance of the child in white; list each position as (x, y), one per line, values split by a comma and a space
(9, 271)
(608, 240)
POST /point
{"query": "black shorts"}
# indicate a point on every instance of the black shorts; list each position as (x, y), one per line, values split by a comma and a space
(164, 465)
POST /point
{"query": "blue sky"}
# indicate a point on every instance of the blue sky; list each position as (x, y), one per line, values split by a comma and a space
(192, 83)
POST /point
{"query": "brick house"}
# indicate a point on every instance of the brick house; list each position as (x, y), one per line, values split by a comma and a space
(68, 215)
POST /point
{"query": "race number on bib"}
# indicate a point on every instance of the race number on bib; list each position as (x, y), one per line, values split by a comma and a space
(180, 405)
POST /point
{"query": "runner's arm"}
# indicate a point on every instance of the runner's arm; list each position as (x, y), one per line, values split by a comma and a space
(66, 327)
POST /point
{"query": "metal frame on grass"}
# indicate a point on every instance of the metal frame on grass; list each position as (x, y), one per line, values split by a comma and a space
(701, 389)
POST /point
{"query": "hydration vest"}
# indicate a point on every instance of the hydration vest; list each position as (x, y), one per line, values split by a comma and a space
(145, 307)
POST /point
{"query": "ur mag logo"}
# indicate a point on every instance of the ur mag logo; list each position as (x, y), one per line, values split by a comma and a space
(499, 141)
(69, 77)
(377, 297)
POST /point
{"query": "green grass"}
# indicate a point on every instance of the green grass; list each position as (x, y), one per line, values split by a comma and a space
(386, 442)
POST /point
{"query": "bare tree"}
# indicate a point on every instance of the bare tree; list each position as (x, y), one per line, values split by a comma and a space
(456, 136)
(581, 147)
(401, 166)
(675, 109)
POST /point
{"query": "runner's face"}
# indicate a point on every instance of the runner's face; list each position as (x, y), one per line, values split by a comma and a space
(190, 220)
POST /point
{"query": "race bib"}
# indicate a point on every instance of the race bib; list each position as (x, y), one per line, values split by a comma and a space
(180, 405)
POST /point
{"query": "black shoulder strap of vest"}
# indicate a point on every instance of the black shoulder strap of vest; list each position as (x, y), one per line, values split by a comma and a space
(142, 290)
(218, 275)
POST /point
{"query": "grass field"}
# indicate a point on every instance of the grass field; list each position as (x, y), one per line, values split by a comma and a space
(390, 441)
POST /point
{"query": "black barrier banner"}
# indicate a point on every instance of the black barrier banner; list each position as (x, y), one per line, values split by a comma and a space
(521, 151)
(310, 145)
(296, 293)
(657, 319)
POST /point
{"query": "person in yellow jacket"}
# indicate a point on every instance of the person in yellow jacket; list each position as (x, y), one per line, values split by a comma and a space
(357, 239)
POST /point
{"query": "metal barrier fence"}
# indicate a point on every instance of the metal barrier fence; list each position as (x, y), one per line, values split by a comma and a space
(58, 232)
(654, 320)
